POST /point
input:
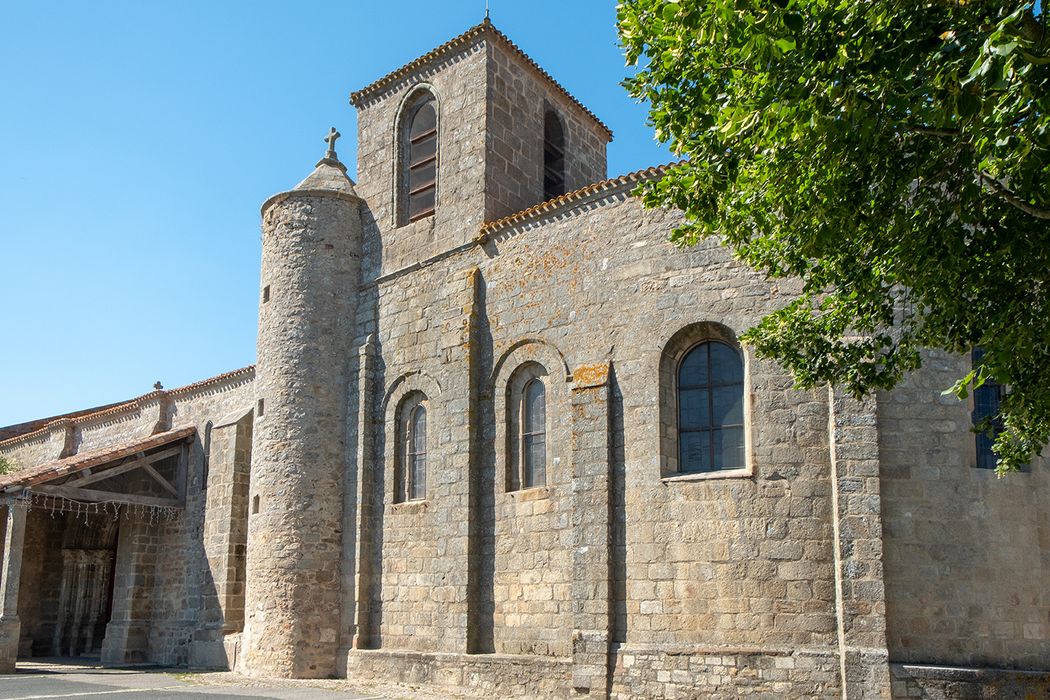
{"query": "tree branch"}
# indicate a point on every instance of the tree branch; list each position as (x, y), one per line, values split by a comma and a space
(997, 187)
(930, 131)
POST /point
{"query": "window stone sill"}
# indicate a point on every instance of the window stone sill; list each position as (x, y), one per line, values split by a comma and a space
(409, 507)
(744, 473)
(533, 493)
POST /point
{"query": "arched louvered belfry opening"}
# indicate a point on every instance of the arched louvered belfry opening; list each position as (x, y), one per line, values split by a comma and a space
(553, 155)
(419, 157)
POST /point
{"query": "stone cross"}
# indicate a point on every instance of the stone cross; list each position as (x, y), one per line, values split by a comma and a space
(330, 140)
(158, 386)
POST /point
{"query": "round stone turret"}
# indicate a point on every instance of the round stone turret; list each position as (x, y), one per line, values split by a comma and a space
(311, 252)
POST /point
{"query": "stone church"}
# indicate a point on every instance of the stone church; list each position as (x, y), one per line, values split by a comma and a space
(501, 436)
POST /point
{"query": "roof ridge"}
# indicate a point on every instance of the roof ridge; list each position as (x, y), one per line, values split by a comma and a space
(484, 27)
(652, 172)
(113, 409)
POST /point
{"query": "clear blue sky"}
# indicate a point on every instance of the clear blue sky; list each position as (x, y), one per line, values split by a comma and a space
(138, 140)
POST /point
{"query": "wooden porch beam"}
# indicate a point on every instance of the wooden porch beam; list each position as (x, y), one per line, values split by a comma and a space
(125, 467)
(93, 496)
(165, 484)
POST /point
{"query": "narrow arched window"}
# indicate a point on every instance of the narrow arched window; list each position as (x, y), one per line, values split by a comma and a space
(410, 465)
(416, 454)
(986, 403)
(206, 467)
(711, 409)
(534, 434)
(420, 160)
(526, 427)
(553, 156)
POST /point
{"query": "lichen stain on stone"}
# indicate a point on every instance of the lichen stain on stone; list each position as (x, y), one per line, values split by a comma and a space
(596, 374)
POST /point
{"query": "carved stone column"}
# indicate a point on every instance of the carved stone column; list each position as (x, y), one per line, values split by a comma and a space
(10, 575)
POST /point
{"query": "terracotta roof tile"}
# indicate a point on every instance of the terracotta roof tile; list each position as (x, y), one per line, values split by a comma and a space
(558, 202)
(13, 431)
(113, 409)
(217, 379)
(486, 28)
(86, 460)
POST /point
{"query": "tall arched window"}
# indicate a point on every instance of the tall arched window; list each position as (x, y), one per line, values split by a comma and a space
(527, 427)
(417, 454)
(986, 403)
(411, 470)
(206, 467)
(420, 154)
(534, 434)
(553, 156)
(711, 409)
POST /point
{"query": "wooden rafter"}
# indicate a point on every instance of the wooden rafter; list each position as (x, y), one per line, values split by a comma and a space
(165, 484)
(93, 496)
(128, 465)
(74, 488)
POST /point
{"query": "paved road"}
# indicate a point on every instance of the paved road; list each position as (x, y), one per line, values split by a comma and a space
(40, 681)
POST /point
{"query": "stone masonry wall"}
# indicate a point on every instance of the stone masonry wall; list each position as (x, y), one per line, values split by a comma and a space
(949, 683)
(725, 673)
(699, 560)
(965, 552)
(458, 86)
(38, 599)
(527, 533)
(517, 101)
(225, 535)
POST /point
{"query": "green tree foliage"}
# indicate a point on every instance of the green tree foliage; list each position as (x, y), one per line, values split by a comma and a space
(893, 155)
(6, 466)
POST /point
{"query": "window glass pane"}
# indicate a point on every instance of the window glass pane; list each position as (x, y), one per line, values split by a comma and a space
(419, 430)
(535, 407)
(693, 409)
(535, 460)
(425, 119)
(986, 400)
(694, 451)
(419, 477)
(985, 455)
(421, 203)
(726, 366)
(729, 448)
(728, 405)
(693, 371)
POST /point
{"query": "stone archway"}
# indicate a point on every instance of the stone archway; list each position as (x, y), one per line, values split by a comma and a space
(88, 560)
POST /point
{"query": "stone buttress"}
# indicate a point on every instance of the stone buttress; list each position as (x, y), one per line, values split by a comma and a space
(311, 238)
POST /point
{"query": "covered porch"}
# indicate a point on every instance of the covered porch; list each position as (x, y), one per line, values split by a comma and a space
(80, 545)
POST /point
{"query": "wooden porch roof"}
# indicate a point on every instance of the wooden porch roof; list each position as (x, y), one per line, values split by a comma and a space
(66, 466)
